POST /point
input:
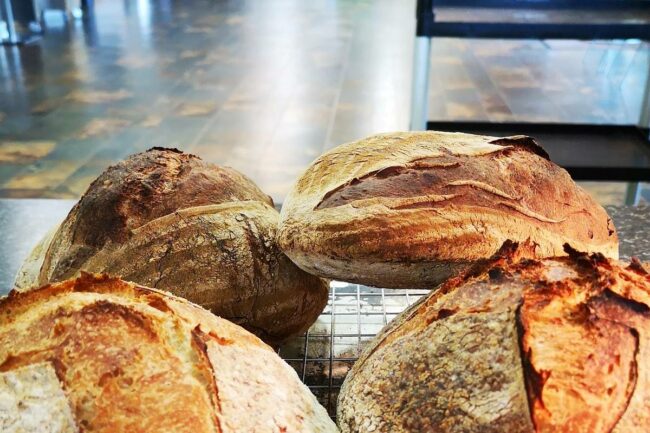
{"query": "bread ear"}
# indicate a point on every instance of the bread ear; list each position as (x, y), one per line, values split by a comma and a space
(523, 142)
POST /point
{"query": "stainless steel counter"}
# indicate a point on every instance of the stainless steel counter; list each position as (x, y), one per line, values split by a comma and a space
(23, 222)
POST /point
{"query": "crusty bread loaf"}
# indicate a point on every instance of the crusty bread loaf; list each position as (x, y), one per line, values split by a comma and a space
(129, 194)
(168, 220)
(223, 257)
(412, 209)
(98, 354)
(558, 345)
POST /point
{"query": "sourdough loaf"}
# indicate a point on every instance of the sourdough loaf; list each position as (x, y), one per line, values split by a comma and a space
(171, 221)
(129, 194)
(412, 209)
(97, 354)
(557, 345)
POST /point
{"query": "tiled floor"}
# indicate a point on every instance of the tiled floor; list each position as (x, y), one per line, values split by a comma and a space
(266, 86)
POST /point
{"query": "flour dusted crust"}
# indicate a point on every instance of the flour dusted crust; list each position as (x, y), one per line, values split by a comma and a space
(413, 209)
(32, 401)
(111, 356)
(171, 221)
(558, 345)
(27, 276)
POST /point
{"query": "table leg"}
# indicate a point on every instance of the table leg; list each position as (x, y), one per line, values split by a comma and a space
(87, 7)
(644, 118)
(633, 193)
(8, 14)
(420, 84)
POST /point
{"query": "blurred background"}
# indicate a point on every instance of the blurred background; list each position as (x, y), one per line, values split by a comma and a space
(267, 86)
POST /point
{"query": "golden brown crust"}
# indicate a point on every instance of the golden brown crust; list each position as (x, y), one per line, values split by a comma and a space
(581, 364)
(134, 359)
(430, 198)
(469, 384)
(559, 345)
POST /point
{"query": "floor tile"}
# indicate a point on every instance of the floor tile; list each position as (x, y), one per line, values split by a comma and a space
(267, 86)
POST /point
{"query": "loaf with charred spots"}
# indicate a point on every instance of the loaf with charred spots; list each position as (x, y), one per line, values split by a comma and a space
(100, 355)
(169, 220)
(558, 345)
(411, 209)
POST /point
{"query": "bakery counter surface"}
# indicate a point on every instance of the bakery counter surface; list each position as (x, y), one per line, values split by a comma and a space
(24, 221)
(633, 225)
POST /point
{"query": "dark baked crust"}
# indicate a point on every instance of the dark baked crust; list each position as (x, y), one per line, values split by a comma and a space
(133, 192)
(224, 258)
(168, 220)
(559, 345)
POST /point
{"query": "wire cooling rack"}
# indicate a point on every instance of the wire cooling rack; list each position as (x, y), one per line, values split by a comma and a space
(354, 314)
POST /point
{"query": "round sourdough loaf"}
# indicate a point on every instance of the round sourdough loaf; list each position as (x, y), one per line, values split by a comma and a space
(558, 345)
(168, 220)
(97, 354)
(411, 209)
(129, 194)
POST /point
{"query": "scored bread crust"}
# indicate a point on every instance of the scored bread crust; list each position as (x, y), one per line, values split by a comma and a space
(224, 258)
(134, 359)
(171, 221)
(131, 193)
(462, 376)
(558, 345)
(412, 209)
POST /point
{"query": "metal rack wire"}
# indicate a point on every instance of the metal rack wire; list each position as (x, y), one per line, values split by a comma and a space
(354, 314)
